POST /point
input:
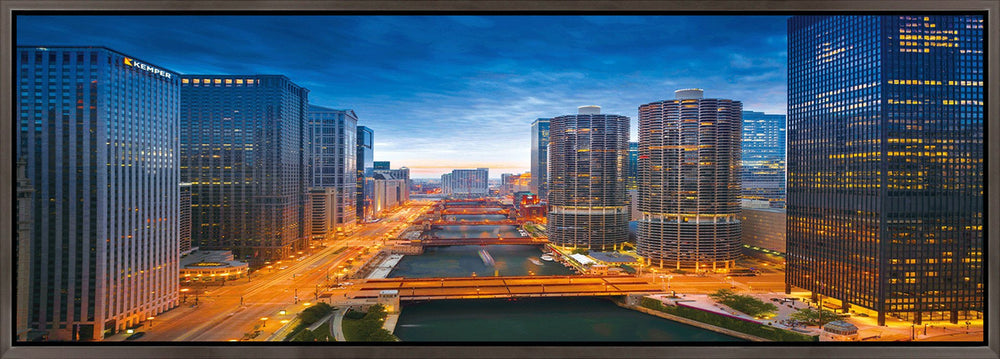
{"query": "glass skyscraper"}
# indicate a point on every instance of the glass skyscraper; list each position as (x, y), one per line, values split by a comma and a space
(365, 167)
(588, 155)
(689, 155)
(98, 131)
(466, 182)
(540, 157)
(243, 151)
(332, 142)
(885, 163)
(763, 165)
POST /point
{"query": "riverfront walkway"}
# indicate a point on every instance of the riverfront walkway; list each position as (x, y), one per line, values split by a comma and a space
(504, 287)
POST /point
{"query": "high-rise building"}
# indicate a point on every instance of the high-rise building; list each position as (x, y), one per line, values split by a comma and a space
(98, 130)
(540, 157)
(321, 207)
(184, 220)
(382, 165)
(689, 184)
(243, 150)
(885, 163)
(764, 232)
(587, 162)
(763, 165)
(332, 142)
(633, 164)
(365, 167)
(466, 182)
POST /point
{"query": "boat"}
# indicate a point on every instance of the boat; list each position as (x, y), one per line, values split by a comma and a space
(535, 261)
(486, 257)
(547, 258)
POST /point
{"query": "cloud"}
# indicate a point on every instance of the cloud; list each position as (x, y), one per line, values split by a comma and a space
(458, 89)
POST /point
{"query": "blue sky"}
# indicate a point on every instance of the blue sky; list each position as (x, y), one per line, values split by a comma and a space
(445, 92)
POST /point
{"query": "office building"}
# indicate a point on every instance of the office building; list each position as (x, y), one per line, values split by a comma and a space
(689, 184)
(381, 165)
(764, 232)
(321, 209)
(763, 164)
(365, 167)
(466, 183)
(243, 150)
(587, 162)
(98, 131)
(540, 157)
(332, 141)
(389, 192)
(885, 164)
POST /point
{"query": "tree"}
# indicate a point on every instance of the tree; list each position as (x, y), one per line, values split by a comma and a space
(813, 317)
(744, 303)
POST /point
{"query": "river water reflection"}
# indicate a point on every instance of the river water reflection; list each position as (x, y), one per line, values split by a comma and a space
(541, 320)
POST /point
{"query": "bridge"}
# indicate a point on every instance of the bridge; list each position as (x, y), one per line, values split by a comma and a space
(511, 222)
(504, 287)
(477, 241)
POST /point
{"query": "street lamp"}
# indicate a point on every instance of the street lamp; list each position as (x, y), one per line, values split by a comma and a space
(150, 318)
(264, 320)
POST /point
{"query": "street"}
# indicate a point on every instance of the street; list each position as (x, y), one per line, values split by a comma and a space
(220, 316)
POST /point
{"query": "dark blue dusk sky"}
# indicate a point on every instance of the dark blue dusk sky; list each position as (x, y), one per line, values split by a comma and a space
(445, 92)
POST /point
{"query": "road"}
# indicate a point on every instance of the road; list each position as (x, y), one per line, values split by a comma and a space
(291, 285)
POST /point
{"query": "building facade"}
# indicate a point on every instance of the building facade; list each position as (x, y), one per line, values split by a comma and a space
(22, 251)
(332, 142)
(365, 167)
(689, 184)
(243, 150)
(763, 164)
(184, 219)
(588, 154)
(885, 163)
(321, 209)
(633, 165)
(98, 131)
(764, 233)
(540, 157)
(466, 183)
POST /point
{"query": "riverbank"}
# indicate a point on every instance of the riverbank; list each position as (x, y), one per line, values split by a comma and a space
(693, 323)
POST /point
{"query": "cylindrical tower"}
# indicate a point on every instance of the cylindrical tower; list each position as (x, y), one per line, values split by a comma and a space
(689, 182)
(587, 161)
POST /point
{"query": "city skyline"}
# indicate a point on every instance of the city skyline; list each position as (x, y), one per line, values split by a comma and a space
(487, 96)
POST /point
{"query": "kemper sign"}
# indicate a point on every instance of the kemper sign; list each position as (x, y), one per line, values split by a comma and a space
(132, 62)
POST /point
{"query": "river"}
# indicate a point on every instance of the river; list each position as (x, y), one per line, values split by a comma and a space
(541, 320)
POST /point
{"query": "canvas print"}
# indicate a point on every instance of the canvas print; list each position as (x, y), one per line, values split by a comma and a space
(533, 179)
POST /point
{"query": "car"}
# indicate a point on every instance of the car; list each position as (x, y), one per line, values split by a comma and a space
(135, 336)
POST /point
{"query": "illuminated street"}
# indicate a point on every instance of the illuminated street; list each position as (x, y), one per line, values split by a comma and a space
(219, 316)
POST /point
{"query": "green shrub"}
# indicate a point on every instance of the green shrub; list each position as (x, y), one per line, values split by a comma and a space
(744, 303)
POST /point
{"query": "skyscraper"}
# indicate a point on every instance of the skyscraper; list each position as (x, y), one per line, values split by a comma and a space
(381, 165)
(332, 142)
(763, 164)
(98, 130)
(689, 184)
(588, 154)
(540, 157)
(22, 251)
(365, 167)
(243, 150)
(885, 163)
